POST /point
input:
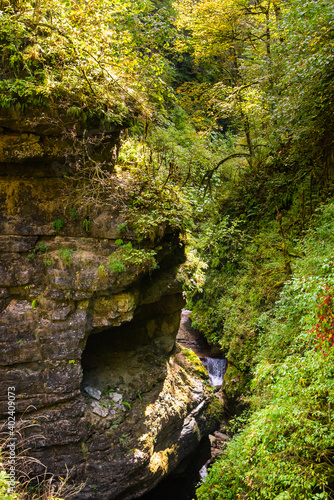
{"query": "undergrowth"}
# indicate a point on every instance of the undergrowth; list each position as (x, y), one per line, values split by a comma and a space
(246, 268)
(127, 256)
(285, 450)
(27, 483)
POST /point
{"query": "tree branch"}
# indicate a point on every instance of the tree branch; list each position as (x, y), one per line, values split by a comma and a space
(208, 175)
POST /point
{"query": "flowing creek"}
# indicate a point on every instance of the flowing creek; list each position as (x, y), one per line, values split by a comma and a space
(216, 369)
(211, 358)
(182, 484)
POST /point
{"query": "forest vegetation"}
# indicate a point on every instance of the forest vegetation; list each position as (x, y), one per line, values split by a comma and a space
(228, 107)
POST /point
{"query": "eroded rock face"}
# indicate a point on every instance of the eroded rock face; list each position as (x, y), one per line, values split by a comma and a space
(66, 327)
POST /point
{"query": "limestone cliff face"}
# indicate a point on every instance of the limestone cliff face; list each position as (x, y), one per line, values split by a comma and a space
(92, 354)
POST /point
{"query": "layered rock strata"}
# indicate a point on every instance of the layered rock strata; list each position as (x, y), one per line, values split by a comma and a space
(90, 350)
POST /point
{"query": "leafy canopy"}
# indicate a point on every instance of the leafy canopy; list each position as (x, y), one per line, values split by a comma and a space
(89, 57)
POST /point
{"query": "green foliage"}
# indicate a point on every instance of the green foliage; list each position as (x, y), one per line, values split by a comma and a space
(285, 448)
(47, 262)
(304, 64)
(34, 303)
(101, 272)
(39, 250)
(323, 330)
(215, 411)
(122, 228)
(126, 256)
(4, 487)
(65, 254)
(89, 59)
(86, 225)
(196, 362)
(166, 171)
(115, 265)
(124, 438)
(192, 272)
(246, 139)
(74, 214)
(58, 225)
(244, 266)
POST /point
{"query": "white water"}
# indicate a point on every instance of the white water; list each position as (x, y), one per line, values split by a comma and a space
(203, 472)
(216, 369)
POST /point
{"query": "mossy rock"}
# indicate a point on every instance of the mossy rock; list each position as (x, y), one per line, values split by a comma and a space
(235, 384)
(196, 363)
(215, 412)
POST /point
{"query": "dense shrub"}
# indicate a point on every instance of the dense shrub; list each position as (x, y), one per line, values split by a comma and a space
(285, 451)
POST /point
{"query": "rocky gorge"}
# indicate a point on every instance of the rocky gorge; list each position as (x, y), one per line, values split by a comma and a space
(102, 387)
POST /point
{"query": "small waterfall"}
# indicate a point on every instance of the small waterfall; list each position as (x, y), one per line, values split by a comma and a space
(203, 472)
(216, 369)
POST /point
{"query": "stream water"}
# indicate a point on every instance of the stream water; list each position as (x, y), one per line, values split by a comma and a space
(183, 487)
(210, 356)
(216, 368)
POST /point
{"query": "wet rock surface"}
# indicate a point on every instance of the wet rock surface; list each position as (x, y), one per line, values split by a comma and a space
(192, 339)
(93, 358)
(216, 367)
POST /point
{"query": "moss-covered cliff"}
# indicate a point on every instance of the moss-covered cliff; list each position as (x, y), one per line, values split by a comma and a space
(88, 326)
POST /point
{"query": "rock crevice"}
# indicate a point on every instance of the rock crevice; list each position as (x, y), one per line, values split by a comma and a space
(66, 326)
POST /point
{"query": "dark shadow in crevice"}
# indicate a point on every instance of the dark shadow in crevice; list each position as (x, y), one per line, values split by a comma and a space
(181, 484)
(114, 360)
